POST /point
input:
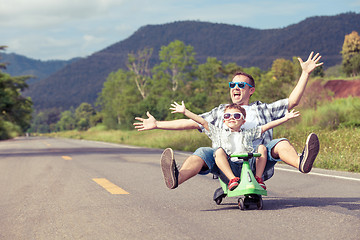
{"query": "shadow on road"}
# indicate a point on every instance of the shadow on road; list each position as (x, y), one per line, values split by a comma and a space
(272, 203)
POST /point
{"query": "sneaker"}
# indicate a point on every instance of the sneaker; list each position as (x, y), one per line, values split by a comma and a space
(309, 153)
(169, 168)
(261, 182)
(233, 183)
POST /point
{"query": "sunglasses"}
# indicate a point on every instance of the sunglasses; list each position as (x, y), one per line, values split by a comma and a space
(240, 84)
(236, 115)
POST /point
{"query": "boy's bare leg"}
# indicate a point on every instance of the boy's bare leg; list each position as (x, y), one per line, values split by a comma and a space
(222, 162)
(261, 161)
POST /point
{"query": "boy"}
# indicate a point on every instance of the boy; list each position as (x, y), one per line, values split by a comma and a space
(234, 140)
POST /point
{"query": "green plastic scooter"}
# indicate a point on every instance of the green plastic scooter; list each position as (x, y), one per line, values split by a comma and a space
(248, 187)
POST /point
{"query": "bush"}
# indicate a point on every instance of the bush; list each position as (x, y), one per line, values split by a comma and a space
(9, 130)
(332, 115)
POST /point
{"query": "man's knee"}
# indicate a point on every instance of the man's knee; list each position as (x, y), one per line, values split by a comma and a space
(203, 153)
(204, 156)
(281, 147)
(196, 159)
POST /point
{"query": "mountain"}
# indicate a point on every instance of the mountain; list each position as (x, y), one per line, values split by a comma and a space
(81, 81)
(19, 65)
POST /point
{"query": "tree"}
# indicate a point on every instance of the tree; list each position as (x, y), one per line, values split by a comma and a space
(119, 99)
(283, 70)
(45, 121)
(14, 108)
(139, 65)
(210, 87)
(170, 79)
(83, 114)
(67, 121)
(274, 84)
(177, 62)
(350, 53)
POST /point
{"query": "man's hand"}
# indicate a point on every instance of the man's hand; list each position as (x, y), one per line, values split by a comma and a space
(178, 108)
(145, 124)
(311, 63)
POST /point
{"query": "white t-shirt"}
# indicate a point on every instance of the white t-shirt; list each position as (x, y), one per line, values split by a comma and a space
(252, 121)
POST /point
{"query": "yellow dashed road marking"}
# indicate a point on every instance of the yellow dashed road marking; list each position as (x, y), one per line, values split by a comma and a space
(47, 144)
(109, 186)
(66, 157)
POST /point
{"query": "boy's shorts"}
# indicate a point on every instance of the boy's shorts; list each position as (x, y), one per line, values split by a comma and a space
(207, 154)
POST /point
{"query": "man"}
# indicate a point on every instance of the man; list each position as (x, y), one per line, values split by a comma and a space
(241, 88)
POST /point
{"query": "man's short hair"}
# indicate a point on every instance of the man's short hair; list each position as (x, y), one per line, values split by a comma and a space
(252, 81)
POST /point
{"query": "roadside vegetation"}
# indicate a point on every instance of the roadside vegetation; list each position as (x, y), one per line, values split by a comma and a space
(336, 123)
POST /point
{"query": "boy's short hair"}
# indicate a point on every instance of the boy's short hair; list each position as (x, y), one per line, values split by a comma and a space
(251, 79)
(236, 106)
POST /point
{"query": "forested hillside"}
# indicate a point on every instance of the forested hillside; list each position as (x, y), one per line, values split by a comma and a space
(19, 65)
(82, 80)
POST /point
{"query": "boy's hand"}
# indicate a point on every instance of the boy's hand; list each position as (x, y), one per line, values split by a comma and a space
(292, 114)
(311, 63)
(178, 108)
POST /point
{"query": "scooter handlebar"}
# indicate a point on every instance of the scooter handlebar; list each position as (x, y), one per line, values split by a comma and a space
(245, 155)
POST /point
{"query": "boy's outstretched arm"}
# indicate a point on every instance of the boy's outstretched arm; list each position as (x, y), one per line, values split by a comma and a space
(307, 67)
(182, 109)
(275, 123)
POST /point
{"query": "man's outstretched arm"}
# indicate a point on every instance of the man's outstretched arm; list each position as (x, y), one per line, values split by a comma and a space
(151, 123)
(307, 67)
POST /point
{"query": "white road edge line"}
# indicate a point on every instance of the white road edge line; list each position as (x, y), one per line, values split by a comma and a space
(320, 174)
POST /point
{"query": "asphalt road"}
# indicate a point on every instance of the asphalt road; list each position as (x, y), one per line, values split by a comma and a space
(71, 189)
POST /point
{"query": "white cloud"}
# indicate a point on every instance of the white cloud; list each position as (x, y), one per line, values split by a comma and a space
(42, 13)
(89, 40)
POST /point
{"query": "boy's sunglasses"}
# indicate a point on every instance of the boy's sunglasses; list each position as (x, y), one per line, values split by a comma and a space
(236, 115)
(240, 84)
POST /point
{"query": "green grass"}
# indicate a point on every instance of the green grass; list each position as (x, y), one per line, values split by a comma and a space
(339, 149)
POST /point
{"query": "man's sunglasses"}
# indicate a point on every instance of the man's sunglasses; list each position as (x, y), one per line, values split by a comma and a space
(240, 84)
(236, 115)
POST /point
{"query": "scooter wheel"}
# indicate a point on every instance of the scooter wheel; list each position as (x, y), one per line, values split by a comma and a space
(241, 204)
(260, 204)
(219, 195)
(219, 200)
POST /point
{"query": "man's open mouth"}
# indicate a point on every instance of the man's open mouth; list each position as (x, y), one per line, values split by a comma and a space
(237, 94)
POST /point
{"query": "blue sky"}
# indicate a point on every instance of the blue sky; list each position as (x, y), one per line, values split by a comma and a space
(63, 29)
